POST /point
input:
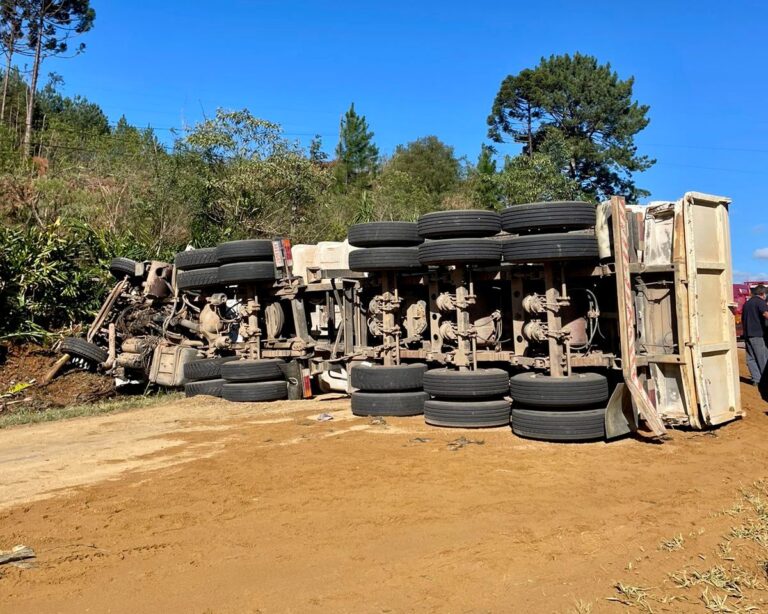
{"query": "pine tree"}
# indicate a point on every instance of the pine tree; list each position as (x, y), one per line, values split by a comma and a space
(12, 15)
(356, 155)
(316, 153)
(584, 103)
(483, 181)
(49, 26)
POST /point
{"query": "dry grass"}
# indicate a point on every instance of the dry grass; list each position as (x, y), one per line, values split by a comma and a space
(734, 585)
(674, 543)
(88, 409)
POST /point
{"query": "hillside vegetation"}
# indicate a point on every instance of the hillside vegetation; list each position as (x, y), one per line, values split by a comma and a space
(91, 189)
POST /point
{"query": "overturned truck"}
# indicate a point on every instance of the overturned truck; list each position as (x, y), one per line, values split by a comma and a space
(567, 320)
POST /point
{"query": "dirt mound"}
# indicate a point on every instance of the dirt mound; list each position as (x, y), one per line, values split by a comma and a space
(22, 367)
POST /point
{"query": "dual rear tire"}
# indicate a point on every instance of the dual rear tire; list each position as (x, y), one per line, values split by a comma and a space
(467, 399)
(388, 390)
(559, 408)
(228, 264)
(254, 380)
(236, 380)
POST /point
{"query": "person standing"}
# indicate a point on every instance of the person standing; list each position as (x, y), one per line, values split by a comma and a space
(753, 317)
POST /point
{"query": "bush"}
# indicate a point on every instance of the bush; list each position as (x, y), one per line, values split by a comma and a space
(53, 277)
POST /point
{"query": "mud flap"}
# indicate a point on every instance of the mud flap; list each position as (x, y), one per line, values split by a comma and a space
(620, 415)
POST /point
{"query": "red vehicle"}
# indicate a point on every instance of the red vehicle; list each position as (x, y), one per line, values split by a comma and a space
(741, 294)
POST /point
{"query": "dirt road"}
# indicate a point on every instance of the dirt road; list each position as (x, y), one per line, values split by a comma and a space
(205, 506)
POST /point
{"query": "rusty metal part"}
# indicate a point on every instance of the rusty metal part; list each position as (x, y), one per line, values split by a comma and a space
(158, 282)
(486, 329)
(416, 318)
(448, 331)
(249, 327)
(446, 301)
(576, 330)
(129, 360)
(106, 308)
(536, 331)
(534, 303)
(111, 347)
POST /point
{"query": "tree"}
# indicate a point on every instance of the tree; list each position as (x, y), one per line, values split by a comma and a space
(50, 25)
(396, 196)
(483, 180)
(316, 153)
(12, 15)
(592, 110)
(534, 178)
(76, 116)
(357, 156)
(257, 182)
(430, 162)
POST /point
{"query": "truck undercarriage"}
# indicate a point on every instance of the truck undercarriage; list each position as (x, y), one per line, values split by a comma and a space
(579, 322)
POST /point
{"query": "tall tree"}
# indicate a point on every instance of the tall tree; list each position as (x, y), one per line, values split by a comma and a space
(49, 27)
(316, 153)
(12, 16)
(430, 162)
(483, 180)
(591, 109)
(357, 156)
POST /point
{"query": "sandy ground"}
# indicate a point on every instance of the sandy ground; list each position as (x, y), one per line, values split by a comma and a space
(199, 505)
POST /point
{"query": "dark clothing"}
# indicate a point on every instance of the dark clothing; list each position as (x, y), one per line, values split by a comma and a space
(752, 319)
(757, 357)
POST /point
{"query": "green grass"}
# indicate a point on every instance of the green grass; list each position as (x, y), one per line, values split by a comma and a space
(88, 409)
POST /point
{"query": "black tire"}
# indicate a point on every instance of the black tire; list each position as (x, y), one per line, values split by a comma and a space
(254, 391)
(120, 267)
(576, 390)
(384, 259)
(244, 272)
(199, 278)
(196, 259)
(389, 403)
(460, 251)
(244, 251)
(548, 217)
(264, 370)
(384, 234)
(467, 414)
(584, 425)
(456, 385)
(451, 224)
(74, 346)
(210, 387)
(378, 378)
(543, 248)
(205, 368)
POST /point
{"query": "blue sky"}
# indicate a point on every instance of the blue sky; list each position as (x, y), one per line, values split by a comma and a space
(420, 68)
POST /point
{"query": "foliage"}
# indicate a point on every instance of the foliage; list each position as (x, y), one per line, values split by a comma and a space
(49, 25)
(483, 184)
(536, 178)
(76, 116)
(12, 14)
(316, 153)
(94, 190)
(357, 157)
(397, 195)
(52, 277)
(430, 163)
(257, 183)
(590, 108)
